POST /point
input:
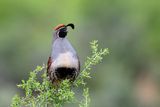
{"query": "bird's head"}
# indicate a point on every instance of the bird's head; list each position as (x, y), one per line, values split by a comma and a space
(61, 30)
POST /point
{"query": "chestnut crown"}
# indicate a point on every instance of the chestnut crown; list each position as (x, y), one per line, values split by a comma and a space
(62, 29)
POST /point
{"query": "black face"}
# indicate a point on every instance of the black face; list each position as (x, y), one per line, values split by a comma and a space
(63, 32)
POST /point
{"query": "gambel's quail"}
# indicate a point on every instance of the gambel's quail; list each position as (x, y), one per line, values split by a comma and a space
(63, 62)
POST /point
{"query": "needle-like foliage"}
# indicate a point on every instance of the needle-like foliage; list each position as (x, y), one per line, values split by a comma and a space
(41, 93)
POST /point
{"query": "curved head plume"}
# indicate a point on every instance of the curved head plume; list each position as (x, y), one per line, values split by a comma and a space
(62, 29)
(71, 25)
(62, 25)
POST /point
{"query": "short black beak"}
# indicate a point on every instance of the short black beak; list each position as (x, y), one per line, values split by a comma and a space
(71, 25)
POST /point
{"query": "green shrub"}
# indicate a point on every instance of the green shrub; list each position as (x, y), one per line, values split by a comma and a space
(41, 93)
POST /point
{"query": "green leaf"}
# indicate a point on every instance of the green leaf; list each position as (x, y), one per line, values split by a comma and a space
(43, 93)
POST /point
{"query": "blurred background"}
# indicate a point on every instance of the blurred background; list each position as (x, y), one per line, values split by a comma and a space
(128, 77)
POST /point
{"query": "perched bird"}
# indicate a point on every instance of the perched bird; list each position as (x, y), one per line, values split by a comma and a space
(63, 62)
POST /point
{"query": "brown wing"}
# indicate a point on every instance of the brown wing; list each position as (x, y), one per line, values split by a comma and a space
(49, 71)
(49, 64)
(79, 64)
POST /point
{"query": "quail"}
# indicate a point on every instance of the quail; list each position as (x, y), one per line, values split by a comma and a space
(63, 62)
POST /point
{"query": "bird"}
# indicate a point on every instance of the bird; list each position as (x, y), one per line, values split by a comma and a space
(63, 62)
